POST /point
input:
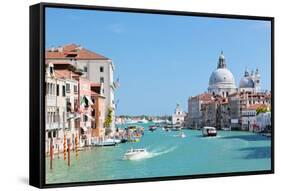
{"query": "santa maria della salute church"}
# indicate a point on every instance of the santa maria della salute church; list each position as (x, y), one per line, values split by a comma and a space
(222, 81)
(226, 105)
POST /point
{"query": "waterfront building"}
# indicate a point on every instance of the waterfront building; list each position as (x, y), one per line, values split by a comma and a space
(209, 113)
(194, 109)
(222, 81)
(55, 107)
(85, 110)
(248, 117)
(264, 121)
(65, 71)
(178, 116)
(242, 104)
(223, 114)
(94, 67)
(98, 111)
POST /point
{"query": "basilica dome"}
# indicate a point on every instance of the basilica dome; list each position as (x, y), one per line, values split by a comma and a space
(222, 76)
(246, 83)
(222, 81)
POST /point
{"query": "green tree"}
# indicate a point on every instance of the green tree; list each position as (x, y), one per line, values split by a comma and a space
(108, 121)
(261, 110)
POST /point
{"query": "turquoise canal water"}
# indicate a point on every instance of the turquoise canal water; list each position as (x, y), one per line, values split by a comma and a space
(169, 155)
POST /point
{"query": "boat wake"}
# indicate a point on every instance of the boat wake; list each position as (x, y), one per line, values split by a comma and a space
(161, 152)
(151, 154)
(212, 137)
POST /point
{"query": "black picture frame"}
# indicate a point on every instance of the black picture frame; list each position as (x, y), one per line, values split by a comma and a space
(37, 98)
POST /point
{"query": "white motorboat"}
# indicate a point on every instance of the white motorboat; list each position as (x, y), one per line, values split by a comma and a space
(134, 154)
(182, 135)
(143, 121)
(209, 131)
(130, 121)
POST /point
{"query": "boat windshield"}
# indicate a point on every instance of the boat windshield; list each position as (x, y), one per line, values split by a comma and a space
(135, 150)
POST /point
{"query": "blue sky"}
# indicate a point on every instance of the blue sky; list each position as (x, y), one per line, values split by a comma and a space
(162, 60)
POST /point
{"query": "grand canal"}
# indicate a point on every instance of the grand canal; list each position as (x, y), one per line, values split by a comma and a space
(169, 155)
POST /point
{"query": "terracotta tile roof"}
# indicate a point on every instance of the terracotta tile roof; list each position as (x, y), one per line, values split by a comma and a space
(95, 84)
(69, 47)
(73, 50)
(255, 106)
(65, 74)
(61, 63)
(205, 97)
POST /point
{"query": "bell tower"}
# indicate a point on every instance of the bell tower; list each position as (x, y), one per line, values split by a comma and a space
(257, 80)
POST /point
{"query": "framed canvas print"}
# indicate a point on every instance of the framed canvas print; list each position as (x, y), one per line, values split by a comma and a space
(122, 95)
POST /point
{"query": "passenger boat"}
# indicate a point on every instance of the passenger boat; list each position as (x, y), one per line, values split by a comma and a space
(209, 131)
(104, 144)
(135, 154)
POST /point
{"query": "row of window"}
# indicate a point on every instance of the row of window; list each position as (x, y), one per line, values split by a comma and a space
(86, 69)
(101, 70)
(54, 117)
(54, 89)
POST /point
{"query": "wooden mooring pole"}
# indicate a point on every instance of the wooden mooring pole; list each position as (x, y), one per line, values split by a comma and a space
(68, 151)
(51, 154)
(76, 146)
(64, 147)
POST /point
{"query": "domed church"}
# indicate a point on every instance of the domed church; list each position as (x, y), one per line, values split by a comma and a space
(222, 81)
(250, 83)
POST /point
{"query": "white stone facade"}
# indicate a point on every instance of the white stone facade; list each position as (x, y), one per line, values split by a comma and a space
(178, 116)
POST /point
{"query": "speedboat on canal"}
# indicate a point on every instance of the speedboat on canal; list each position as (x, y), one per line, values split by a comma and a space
(209, 131)
(134, 154)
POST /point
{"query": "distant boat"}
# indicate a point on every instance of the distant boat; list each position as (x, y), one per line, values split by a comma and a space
(209, 131)
(143, 121)
(117, 141)
(152, 128)
(226, 129)
(135, 154)
(157, 121)
(106, 142)
(182, 135)
(129, 121)
(167, 121)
